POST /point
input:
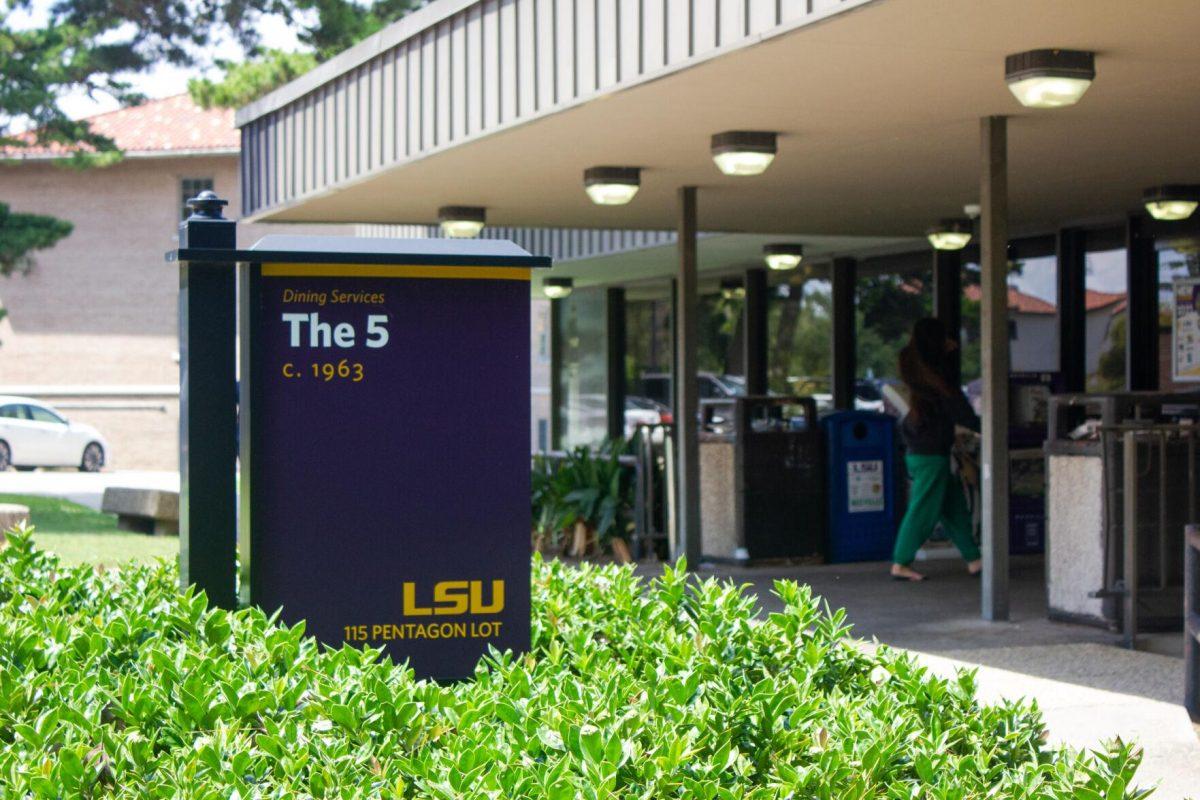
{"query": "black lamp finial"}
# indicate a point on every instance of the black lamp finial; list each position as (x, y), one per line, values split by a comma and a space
(207, 205)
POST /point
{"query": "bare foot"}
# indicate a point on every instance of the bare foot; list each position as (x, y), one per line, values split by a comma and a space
(903, 573)
(975, 567)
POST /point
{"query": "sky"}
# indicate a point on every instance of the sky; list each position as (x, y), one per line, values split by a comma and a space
(164, 80)
(1105, 273)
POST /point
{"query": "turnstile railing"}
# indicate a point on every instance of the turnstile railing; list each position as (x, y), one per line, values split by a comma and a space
(654, 490)
(1148, 498)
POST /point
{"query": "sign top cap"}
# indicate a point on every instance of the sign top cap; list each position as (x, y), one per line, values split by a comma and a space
(471, 248)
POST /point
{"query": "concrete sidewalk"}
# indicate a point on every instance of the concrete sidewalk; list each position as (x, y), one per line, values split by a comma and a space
(1088, 687)
(1082, 717)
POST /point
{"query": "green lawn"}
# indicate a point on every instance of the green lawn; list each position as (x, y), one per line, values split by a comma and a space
(83, 536)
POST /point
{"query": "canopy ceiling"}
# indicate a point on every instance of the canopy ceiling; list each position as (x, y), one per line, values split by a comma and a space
(878, 110)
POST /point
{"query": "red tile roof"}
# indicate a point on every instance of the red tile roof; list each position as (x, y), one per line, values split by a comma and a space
(1028, 304)
(172, 124)
(1097, 300)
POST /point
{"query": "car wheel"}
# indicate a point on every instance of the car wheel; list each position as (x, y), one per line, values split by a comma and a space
(5, 456)
(25, 469)
(93, 458)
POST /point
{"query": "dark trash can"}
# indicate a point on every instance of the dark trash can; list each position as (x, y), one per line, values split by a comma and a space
(763, 482)
(862, 485)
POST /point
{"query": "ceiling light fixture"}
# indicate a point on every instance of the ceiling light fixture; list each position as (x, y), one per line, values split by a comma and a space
(462, 222)
(950, 234)
(783, 256)
(743, 152)
(557, 288)
(1172, 202)
(611, 186)
(1050, 78)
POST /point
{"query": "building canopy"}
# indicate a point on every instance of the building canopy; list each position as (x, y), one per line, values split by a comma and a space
(504, 104)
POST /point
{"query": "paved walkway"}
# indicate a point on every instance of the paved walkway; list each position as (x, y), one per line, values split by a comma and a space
(86, 488)
(1080, 714)
(1089, 689)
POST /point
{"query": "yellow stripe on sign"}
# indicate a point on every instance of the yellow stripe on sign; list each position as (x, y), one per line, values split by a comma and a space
(393, 271)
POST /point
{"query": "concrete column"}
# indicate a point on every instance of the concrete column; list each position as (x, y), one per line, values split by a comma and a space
(687, 402)
(1141, 320)
(1072, 309)
(614, 325)
(947, 303)
(843, 274)
(754, 338)
(993, 197)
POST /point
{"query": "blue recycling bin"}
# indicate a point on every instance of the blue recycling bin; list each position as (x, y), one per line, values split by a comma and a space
(862, 485)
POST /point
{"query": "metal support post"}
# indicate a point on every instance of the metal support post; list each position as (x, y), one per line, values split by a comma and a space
(843, 276)
(556, 393)
(1141, 323)
(614, 331)
(687, 404)
(1072, 310)
(993, 196)
(754, 321)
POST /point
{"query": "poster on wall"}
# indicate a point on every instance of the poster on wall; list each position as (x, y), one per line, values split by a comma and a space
(1185, 330)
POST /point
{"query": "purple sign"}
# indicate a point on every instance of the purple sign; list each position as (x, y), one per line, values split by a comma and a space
(388, 482)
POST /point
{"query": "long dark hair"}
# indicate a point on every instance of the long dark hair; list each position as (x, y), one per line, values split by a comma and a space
(923, 364)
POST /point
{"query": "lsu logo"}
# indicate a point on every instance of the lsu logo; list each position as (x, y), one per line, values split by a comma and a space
(454, 598)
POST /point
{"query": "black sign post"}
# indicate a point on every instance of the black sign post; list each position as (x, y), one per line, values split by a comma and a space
(207, 411)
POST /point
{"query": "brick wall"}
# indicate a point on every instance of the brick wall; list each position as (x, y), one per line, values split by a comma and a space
(100, 309)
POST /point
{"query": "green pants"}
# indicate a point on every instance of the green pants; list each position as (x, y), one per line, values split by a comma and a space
(937, 496)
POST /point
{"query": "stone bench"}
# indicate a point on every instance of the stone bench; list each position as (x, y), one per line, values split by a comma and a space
(12, 515)
(154, 511)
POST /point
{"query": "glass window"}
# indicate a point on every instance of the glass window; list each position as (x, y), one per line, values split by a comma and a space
(1104, 340)
(799, 328)
(719, 349)
(582, 373)
(13, 412)
(39, 414)
(1032, 319)
(1033, 314)
(887, 306)
(189, 188)
(648, 345)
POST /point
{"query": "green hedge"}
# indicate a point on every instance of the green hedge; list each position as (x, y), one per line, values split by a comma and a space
(115, 684)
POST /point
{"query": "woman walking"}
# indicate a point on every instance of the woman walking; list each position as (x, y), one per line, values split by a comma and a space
(935, 408)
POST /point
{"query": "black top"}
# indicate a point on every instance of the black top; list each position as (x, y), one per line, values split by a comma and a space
(934, 436)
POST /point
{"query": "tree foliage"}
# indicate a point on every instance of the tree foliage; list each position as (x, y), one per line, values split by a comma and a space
(21, 234)
(245, 82)
(93, 47)
(326, 28)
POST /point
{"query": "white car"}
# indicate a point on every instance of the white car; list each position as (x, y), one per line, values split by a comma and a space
(32, 434)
